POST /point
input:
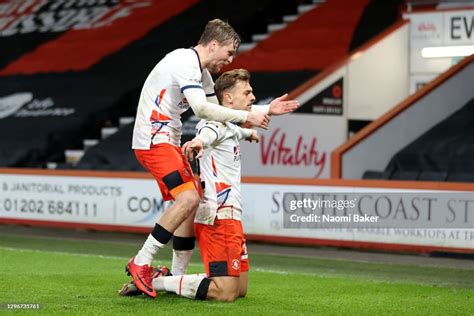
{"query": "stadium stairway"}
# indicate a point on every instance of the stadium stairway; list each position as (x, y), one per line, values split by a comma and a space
(276, 26)
(316, 39)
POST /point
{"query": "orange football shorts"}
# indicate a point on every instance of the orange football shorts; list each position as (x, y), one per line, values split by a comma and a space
(223, 248)
(170, 167)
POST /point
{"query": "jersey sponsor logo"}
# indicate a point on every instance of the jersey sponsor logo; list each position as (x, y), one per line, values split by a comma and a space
(158, 121)
(183, 104)
(23, 104)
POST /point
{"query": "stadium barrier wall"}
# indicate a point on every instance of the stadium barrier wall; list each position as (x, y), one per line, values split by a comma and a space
(130, 202)
(404, 123)
(378, 68)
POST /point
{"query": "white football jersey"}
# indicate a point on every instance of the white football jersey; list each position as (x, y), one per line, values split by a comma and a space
(220, 172)
(162, 100)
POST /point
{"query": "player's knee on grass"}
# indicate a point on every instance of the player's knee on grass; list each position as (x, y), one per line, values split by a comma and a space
(224, 295)
(224, 289)
(243, 284)
(243, 292)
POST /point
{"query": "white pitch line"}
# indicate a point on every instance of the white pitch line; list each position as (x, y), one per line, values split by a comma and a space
(85, 255)
(62, 253)
(282, 272)
(197, 265)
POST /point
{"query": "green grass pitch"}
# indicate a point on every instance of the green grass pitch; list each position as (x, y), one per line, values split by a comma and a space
(82, 277)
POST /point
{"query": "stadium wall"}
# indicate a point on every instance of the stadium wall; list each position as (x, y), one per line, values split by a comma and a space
(130, 201)
(368, 82)
(378, 68)
(404, 123)
(378, 77)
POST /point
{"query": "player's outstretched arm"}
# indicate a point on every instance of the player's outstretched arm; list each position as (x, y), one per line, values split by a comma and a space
(214, 112)
(278, 106)
(281, 105)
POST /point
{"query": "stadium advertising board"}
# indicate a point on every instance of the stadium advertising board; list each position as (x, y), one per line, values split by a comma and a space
(296, 146)
(395, 216)
(433, 218)
(329, 101)
(438, 29)
(103, 201)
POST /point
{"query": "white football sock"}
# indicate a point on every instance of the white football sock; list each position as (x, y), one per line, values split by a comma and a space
(148, 251)
(181, 259)
(183, 285)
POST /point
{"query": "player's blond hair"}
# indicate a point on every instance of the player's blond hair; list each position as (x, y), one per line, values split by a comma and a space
(228, 80)
(220, 31)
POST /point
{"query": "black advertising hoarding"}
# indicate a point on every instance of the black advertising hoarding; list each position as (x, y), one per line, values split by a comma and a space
(67, 68)
(42, 115)
(330, 101)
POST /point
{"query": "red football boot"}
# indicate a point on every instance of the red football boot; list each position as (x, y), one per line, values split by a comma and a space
(142, 277)
(159, 271)
(130, 289)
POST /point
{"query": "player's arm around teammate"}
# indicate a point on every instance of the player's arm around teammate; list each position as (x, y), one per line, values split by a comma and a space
(179, 81)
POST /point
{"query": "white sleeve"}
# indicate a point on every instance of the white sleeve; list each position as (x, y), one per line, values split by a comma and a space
(211, 111)
(189, 78)
(212, 99)
(187, 74)
(243, 133)
(208, 85)
(265, 108)
(209, 132)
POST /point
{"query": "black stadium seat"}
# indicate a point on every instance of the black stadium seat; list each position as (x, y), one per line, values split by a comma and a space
(433, 176)
(443, 153)
(378, 175)
(461, 177)
(404, 175)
